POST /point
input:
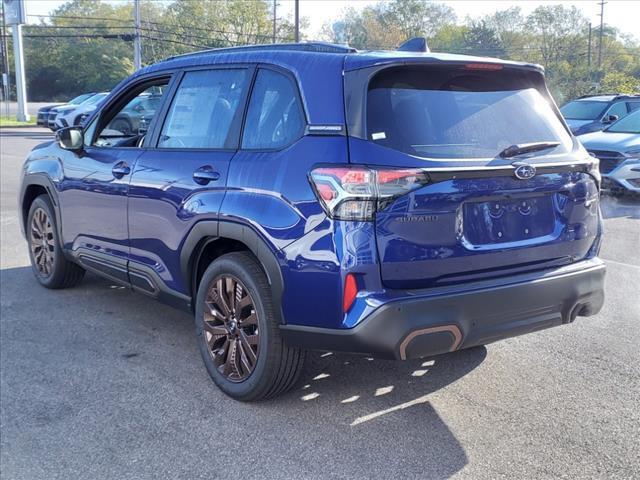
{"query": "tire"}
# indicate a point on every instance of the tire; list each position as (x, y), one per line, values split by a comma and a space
(276, 367)
(49, 265)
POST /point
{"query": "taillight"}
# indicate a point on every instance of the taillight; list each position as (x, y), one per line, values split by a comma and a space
(356, 193)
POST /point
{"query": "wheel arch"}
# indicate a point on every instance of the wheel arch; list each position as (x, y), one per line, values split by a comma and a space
(34, 185)
(209, 239)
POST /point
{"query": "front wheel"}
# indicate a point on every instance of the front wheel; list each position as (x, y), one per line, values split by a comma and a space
(48, 262)
(237, 332)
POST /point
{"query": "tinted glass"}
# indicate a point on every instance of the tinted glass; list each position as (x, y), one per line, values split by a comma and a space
(454, 114)
(633, 106)
(79, 99)
(203, 109)
(274, 119)
(619, 109)
(94, 100)
(583, 110)
(629, 124)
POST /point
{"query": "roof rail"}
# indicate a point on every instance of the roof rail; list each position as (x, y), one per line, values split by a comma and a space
(320, 47)
(606, 94)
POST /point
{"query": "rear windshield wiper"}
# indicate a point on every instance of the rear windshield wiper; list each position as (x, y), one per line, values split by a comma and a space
(522, 148)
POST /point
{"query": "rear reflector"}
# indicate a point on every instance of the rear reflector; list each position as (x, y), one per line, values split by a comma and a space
(350, 292)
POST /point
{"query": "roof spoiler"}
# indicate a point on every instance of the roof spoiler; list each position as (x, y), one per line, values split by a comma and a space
(416, 44)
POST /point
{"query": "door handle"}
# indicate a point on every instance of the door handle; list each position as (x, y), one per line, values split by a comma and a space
(120, 169)
(205, 174)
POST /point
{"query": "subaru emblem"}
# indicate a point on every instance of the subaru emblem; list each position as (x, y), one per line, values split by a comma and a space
(524, 171)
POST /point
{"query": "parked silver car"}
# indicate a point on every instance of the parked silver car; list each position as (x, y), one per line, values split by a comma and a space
(618, 148)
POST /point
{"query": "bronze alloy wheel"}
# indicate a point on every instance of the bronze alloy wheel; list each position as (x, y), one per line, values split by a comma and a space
(231, 328)
(42, 242)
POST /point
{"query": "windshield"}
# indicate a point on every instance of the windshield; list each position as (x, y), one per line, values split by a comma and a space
(629, 124)
(452, 113)
(95, 99)
(583, 110)
(79, 99)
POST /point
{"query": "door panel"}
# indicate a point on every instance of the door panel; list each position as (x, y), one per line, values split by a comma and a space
(94, 201)
(182, 179)
(165, 201)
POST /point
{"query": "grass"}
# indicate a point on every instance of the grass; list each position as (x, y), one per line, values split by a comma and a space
(12, 122)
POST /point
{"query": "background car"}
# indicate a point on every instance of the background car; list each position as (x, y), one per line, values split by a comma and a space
(135, 116)
(618, 148)
(68, 117)
(592, 113)
(43, 112)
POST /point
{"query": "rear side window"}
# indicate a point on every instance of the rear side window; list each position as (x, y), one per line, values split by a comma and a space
(458, 113)
(203, 109)
(274, 119)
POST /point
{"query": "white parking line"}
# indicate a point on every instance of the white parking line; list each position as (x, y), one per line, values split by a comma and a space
(621, 263)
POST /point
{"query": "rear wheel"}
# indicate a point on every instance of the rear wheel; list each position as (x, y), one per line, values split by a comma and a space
(237, 332)
(48, 262)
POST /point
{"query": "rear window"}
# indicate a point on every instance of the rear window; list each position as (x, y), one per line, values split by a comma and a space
(583, 110)
(458, 113)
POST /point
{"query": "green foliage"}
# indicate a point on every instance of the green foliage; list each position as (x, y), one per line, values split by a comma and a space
(65, 61)
(619, 82)
(555, 36)
(60, 65)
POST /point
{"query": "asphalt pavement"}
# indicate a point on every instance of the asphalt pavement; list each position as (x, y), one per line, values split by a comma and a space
(100, 382)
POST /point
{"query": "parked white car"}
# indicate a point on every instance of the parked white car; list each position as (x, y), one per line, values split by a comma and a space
(618, 148)
(72, 116)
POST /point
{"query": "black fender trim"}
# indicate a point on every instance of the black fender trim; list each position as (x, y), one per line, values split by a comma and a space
(41, 180)
(136, 276)
(206, 231)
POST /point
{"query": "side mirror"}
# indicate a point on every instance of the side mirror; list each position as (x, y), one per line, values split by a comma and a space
(70, 138)
(611, 119)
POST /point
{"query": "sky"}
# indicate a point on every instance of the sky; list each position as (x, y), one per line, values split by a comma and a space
(623, 14)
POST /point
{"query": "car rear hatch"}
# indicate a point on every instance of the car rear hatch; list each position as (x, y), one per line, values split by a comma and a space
(484, 210)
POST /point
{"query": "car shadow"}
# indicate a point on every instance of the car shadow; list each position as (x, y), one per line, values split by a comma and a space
(376, 417)
(627, 206)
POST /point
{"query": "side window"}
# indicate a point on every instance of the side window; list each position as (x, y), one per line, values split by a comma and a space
(127, 124)
(274, 118)
(203, 109)
(633, 106)
(619, 109)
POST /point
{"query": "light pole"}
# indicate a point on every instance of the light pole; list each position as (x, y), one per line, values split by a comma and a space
(137, 46)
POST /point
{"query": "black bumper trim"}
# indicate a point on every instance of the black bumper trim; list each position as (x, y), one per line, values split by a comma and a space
(428, 325)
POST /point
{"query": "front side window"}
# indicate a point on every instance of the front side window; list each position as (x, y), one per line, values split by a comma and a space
(203, 109)
(629, 124)
(127, 125)
(454, 113)
(633, 106)
(274, 119)
(618, 109)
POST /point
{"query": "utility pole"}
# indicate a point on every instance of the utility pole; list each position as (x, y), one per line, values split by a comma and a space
(275, 5)
(602, 4)
(297, 20)
(589, 53)
(137, 46)
(21, 87)
(5, 64)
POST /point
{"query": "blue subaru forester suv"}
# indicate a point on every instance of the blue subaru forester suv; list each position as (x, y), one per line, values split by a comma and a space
(311, 196)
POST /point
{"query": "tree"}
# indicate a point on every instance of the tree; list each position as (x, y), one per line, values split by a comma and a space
(618, 82)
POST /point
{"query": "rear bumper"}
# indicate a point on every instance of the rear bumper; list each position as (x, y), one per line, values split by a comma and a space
(425, 324)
